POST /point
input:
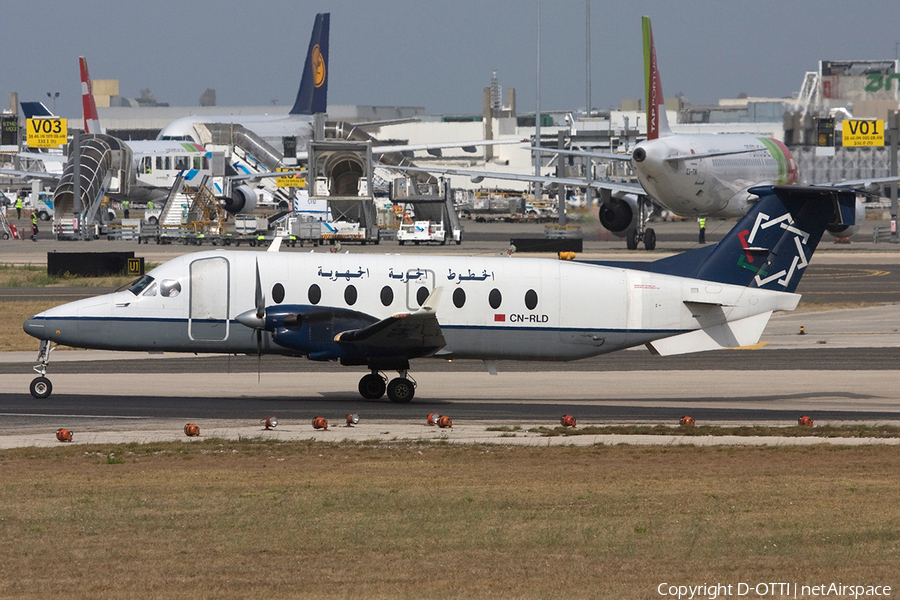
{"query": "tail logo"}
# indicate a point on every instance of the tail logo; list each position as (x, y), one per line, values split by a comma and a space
(318, 65)
(800, 261)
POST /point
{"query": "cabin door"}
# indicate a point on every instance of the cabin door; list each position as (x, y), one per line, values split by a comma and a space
(208, 318)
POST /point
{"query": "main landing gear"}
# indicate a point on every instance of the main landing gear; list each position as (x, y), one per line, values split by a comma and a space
(642, 233)
(400, 389)
(41, 386)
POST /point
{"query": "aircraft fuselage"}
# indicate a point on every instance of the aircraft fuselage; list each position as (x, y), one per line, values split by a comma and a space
(711, 186)
(490, 308)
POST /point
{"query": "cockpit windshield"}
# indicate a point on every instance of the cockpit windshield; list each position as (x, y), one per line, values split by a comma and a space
(138, 286)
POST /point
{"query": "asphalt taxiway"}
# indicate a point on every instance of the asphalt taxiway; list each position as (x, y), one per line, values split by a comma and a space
(845, 368)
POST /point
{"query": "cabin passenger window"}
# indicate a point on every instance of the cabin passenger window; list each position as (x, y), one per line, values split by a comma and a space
(168, 163)
(182, 163)
(387, 295)
(169, 288)
(495, 298)
(278, 293)
(315, 294)
(159, 162)
(198, 162)
(531, 299)
(422, 295)
(459, 297)
(350, 295)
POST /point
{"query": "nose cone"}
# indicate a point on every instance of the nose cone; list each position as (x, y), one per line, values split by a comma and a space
(34, 327)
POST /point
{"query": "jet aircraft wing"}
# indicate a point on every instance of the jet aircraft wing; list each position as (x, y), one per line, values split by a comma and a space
(29, 175)
(601, 155)
(468, 146)
(476, 176)
(865, 184)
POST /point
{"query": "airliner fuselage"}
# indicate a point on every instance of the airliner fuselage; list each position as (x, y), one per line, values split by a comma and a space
(709, 175)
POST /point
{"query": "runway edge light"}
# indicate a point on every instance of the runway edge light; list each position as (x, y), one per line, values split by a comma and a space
(444, 422)
(567, 421)
(352, 419)
(805, 421)
(191, 430)
(63, 435)
(270, 422)
(432, 419)
(320, 423)
(687, 421)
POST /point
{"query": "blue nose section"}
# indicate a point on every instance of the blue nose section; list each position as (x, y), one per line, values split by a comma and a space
(34, 327)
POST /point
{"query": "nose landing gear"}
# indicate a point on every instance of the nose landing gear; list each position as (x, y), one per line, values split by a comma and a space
(40, 386)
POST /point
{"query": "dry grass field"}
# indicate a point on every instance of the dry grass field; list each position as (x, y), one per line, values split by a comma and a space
(255, 519)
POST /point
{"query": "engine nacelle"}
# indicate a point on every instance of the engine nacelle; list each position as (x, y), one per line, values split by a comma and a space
(242, 200)
(620, 215)
(843, 230)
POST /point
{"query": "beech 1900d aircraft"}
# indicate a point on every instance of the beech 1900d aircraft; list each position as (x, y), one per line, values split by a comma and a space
(380, 312)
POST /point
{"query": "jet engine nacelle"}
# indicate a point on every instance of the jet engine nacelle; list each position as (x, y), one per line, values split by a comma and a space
(841, 230)
(242, 200)
(620, 215)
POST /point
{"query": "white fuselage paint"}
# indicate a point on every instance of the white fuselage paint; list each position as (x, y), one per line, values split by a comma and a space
(271, 128)
(711, 186)
(548, 309)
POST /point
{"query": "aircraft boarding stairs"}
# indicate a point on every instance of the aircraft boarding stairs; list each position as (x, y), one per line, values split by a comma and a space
(250, 154)
(104, 167)
(429, 202)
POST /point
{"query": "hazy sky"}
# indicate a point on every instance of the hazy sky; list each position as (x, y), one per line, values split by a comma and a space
(431, 53)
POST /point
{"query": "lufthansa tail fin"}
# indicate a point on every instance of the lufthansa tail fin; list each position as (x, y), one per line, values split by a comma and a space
(771, 245)
(89, 107)
(35, 110)
(312, 97)
(657, 122)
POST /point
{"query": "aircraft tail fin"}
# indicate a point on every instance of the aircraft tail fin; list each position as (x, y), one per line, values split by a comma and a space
(771, 245)
(89, 107)
(312, 97)
(35, 110)
(657, 122)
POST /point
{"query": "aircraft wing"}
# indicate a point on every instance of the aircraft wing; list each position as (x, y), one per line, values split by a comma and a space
(413, 334)
(469, 146)
(28, 175)
(601, 155)
(476, 176)
(858, 183)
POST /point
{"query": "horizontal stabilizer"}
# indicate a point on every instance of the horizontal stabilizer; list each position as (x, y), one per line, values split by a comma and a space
(744, 332)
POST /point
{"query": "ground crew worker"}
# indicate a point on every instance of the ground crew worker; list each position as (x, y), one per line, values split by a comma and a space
(19, 207)
(702, 230)
(149, 204)
(34, 227)
(125, 205)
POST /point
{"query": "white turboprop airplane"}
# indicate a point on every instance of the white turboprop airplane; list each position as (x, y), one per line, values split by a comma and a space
(380, 312)
(692, 175)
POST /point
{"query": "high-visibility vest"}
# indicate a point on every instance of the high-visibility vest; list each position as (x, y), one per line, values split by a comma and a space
(703, 223)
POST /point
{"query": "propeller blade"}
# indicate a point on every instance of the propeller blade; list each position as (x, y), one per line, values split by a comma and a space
(258, 353)
(260, 297)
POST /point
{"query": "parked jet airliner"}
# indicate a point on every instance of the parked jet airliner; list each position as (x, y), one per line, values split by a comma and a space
(380, 312)
(692, 175)
(312, 97)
